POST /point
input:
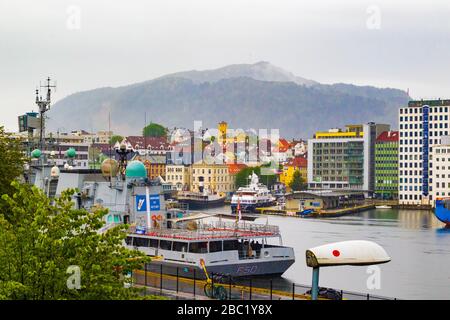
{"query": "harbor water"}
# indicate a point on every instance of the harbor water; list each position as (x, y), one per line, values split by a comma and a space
(417, 242)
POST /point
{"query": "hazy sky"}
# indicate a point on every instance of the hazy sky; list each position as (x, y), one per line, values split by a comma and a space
(90, 44)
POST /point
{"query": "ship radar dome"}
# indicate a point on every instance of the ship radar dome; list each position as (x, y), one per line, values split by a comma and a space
(136, 169)
(54, 173)
(110, 168)
(71, 153)
(36, 153)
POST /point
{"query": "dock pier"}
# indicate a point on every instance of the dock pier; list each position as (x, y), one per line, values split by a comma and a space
(319, 213)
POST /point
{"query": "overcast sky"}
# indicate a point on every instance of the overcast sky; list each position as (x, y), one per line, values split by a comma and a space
(90, 44)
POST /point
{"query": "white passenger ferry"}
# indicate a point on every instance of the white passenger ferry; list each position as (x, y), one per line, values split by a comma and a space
(255, 195)
(235, 249)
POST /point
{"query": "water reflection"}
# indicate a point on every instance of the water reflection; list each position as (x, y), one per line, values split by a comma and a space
(408, 219)
(417, 242)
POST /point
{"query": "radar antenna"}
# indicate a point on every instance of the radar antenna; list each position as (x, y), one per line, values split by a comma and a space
(44, 106)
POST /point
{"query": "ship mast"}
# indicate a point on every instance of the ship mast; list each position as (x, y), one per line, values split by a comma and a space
(44, 106)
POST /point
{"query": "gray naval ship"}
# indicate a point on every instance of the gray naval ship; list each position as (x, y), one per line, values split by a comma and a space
(175, 238)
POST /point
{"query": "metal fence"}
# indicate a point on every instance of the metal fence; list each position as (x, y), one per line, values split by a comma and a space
(190, 283)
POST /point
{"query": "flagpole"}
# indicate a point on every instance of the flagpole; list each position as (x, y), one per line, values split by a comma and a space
(238, 210)
(147, 200)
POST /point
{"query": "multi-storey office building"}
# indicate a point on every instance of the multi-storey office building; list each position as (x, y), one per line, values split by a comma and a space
(344, 160)
(441, 171)
(386, 165)
(421, 125)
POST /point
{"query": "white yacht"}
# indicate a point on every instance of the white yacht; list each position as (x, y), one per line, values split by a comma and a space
(255, 195)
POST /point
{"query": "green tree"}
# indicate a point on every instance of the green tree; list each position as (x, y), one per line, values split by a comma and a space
(12, 160)
(154, 130)
(242, 177)
(297, 183)
(94, 157)
(42, 238)
(115, 138)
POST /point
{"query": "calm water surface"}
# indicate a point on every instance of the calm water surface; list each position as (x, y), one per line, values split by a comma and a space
(416, 241)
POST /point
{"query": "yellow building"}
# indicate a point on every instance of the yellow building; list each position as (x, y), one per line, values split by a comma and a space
(238, 136)
(223, 126)
(155, 170)
(351, 131)
(155, 165)
(179, 176)
(296, 164)
(212, 177)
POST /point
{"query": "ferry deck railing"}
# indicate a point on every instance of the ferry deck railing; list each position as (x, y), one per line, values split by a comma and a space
(214, 230)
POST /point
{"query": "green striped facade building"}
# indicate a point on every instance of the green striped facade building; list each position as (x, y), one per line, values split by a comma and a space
(386, 165)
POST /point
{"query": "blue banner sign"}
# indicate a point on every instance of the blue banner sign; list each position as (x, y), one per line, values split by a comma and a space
(141, 203)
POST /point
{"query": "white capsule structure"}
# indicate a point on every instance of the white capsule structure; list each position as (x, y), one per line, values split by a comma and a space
(354, 253)
(54, 172)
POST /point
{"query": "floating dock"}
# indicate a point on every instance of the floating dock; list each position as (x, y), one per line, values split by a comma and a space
(318, 214)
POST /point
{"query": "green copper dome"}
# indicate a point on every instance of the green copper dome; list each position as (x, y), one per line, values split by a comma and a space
(36, 153)
(136, 169)
(71, 153)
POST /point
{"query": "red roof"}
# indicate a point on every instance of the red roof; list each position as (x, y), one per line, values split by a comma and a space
(298, 162)
(283, 145)
(234, 168)
(388, 136)
(154, 143)
(294, 142)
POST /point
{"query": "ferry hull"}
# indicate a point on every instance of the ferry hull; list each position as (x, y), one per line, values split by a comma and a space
(251, 208)
(441, 212)
(245, 269)
(199, 204)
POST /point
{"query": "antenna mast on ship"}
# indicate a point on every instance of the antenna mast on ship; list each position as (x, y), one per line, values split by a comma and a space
(44, 106)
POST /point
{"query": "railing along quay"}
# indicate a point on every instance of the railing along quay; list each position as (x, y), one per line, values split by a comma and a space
(191, 284)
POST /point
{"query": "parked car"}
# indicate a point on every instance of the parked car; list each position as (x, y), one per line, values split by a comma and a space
(327, 293)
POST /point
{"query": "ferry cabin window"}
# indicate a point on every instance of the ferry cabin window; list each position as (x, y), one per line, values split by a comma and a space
(129, 241)
(154, 243)
(141, 242)
(198, 247)
(229, 245)
(165, 245)
(215, 246)
(180, 246)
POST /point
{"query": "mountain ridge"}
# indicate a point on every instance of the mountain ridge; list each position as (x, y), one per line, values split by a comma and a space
(238, 98)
